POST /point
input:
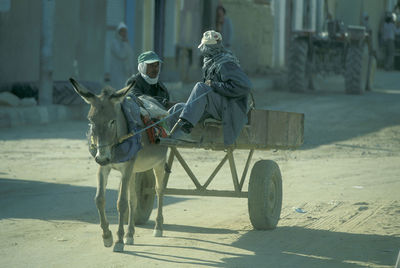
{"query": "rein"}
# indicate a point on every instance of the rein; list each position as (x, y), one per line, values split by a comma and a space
(131, 134)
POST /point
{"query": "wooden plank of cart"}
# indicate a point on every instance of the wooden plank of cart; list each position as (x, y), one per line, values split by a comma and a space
(266, 130)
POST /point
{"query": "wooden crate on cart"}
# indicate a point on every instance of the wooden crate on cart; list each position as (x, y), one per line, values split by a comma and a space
(265, 130)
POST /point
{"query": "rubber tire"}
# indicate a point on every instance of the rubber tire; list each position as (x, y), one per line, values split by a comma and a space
(356, 74)
(265, 195)
(144, 202)
(298, 80)
(312, 76)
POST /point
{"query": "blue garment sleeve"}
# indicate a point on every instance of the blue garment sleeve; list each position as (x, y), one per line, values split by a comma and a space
(234, 83)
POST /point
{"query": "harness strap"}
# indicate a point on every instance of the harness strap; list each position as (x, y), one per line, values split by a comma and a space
(127, 136)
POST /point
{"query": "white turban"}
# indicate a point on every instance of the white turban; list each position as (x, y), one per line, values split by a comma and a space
(142, 68)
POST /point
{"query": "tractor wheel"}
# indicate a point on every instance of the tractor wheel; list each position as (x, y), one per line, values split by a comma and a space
(297, 77)
(144, 196)
(265, 195)
(315, 79)
(356, 69)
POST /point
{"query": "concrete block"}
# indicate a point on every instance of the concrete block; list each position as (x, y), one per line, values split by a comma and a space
(43, 115)
(5, 119)
(28, 102)
(9, 99)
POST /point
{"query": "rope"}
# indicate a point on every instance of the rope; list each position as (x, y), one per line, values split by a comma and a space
(131, 134)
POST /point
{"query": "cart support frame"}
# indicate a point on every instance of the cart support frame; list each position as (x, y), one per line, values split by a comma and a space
(201, 190)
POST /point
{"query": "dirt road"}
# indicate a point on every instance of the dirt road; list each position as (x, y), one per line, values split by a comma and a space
(346, 180)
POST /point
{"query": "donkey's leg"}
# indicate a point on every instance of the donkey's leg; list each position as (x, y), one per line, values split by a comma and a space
(159, 172)
(131, 221)
(100, 200)
(122, 205)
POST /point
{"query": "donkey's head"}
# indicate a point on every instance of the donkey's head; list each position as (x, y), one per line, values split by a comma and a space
(105, 118)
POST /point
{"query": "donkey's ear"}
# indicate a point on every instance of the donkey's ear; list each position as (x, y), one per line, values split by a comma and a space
(86, 95)
(121, 94)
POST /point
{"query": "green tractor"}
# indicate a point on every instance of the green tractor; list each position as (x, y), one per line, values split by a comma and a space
(336, 51)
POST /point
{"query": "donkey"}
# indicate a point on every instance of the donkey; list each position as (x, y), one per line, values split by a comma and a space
(109, 126)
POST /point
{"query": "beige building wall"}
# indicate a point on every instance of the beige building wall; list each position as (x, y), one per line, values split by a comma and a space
(78, 35)
(253, 27)
(20, 41)
(348, 11)
(351, 13)
(148, 25)
(66, 41)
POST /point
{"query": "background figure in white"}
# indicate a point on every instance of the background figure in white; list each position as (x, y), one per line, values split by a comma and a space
(389, 32)
(121, 59)
(224, 27)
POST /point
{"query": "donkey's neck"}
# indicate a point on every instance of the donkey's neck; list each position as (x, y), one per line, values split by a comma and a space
(122, 128)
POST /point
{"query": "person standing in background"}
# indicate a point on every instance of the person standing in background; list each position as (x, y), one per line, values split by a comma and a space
(224, 27)
(121, 59)
(389, 31)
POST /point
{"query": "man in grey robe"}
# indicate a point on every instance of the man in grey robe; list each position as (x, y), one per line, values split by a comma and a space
(223, 95)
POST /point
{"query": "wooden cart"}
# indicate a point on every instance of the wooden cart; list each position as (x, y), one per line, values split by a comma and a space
(266, 130)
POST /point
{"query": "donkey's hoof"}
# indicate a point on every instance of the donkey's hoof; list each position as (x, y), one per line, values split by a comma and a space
(119, 247)
(108, 241)
(157, 233)
(128, 240)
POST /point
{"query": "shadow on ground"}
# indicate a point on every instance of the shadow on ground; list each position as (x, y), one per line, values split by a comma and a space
(189, 229)
(24, 199)
(283, 247)
(331, 116)
(288, 246)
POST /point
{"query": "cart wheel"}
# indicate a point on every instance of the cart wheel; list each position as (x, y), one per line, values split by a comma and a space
(144, 199)
(265, 195)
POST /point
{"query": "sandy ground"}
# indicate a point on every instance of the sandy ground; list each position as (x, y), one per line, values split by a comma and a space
(346, 180)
